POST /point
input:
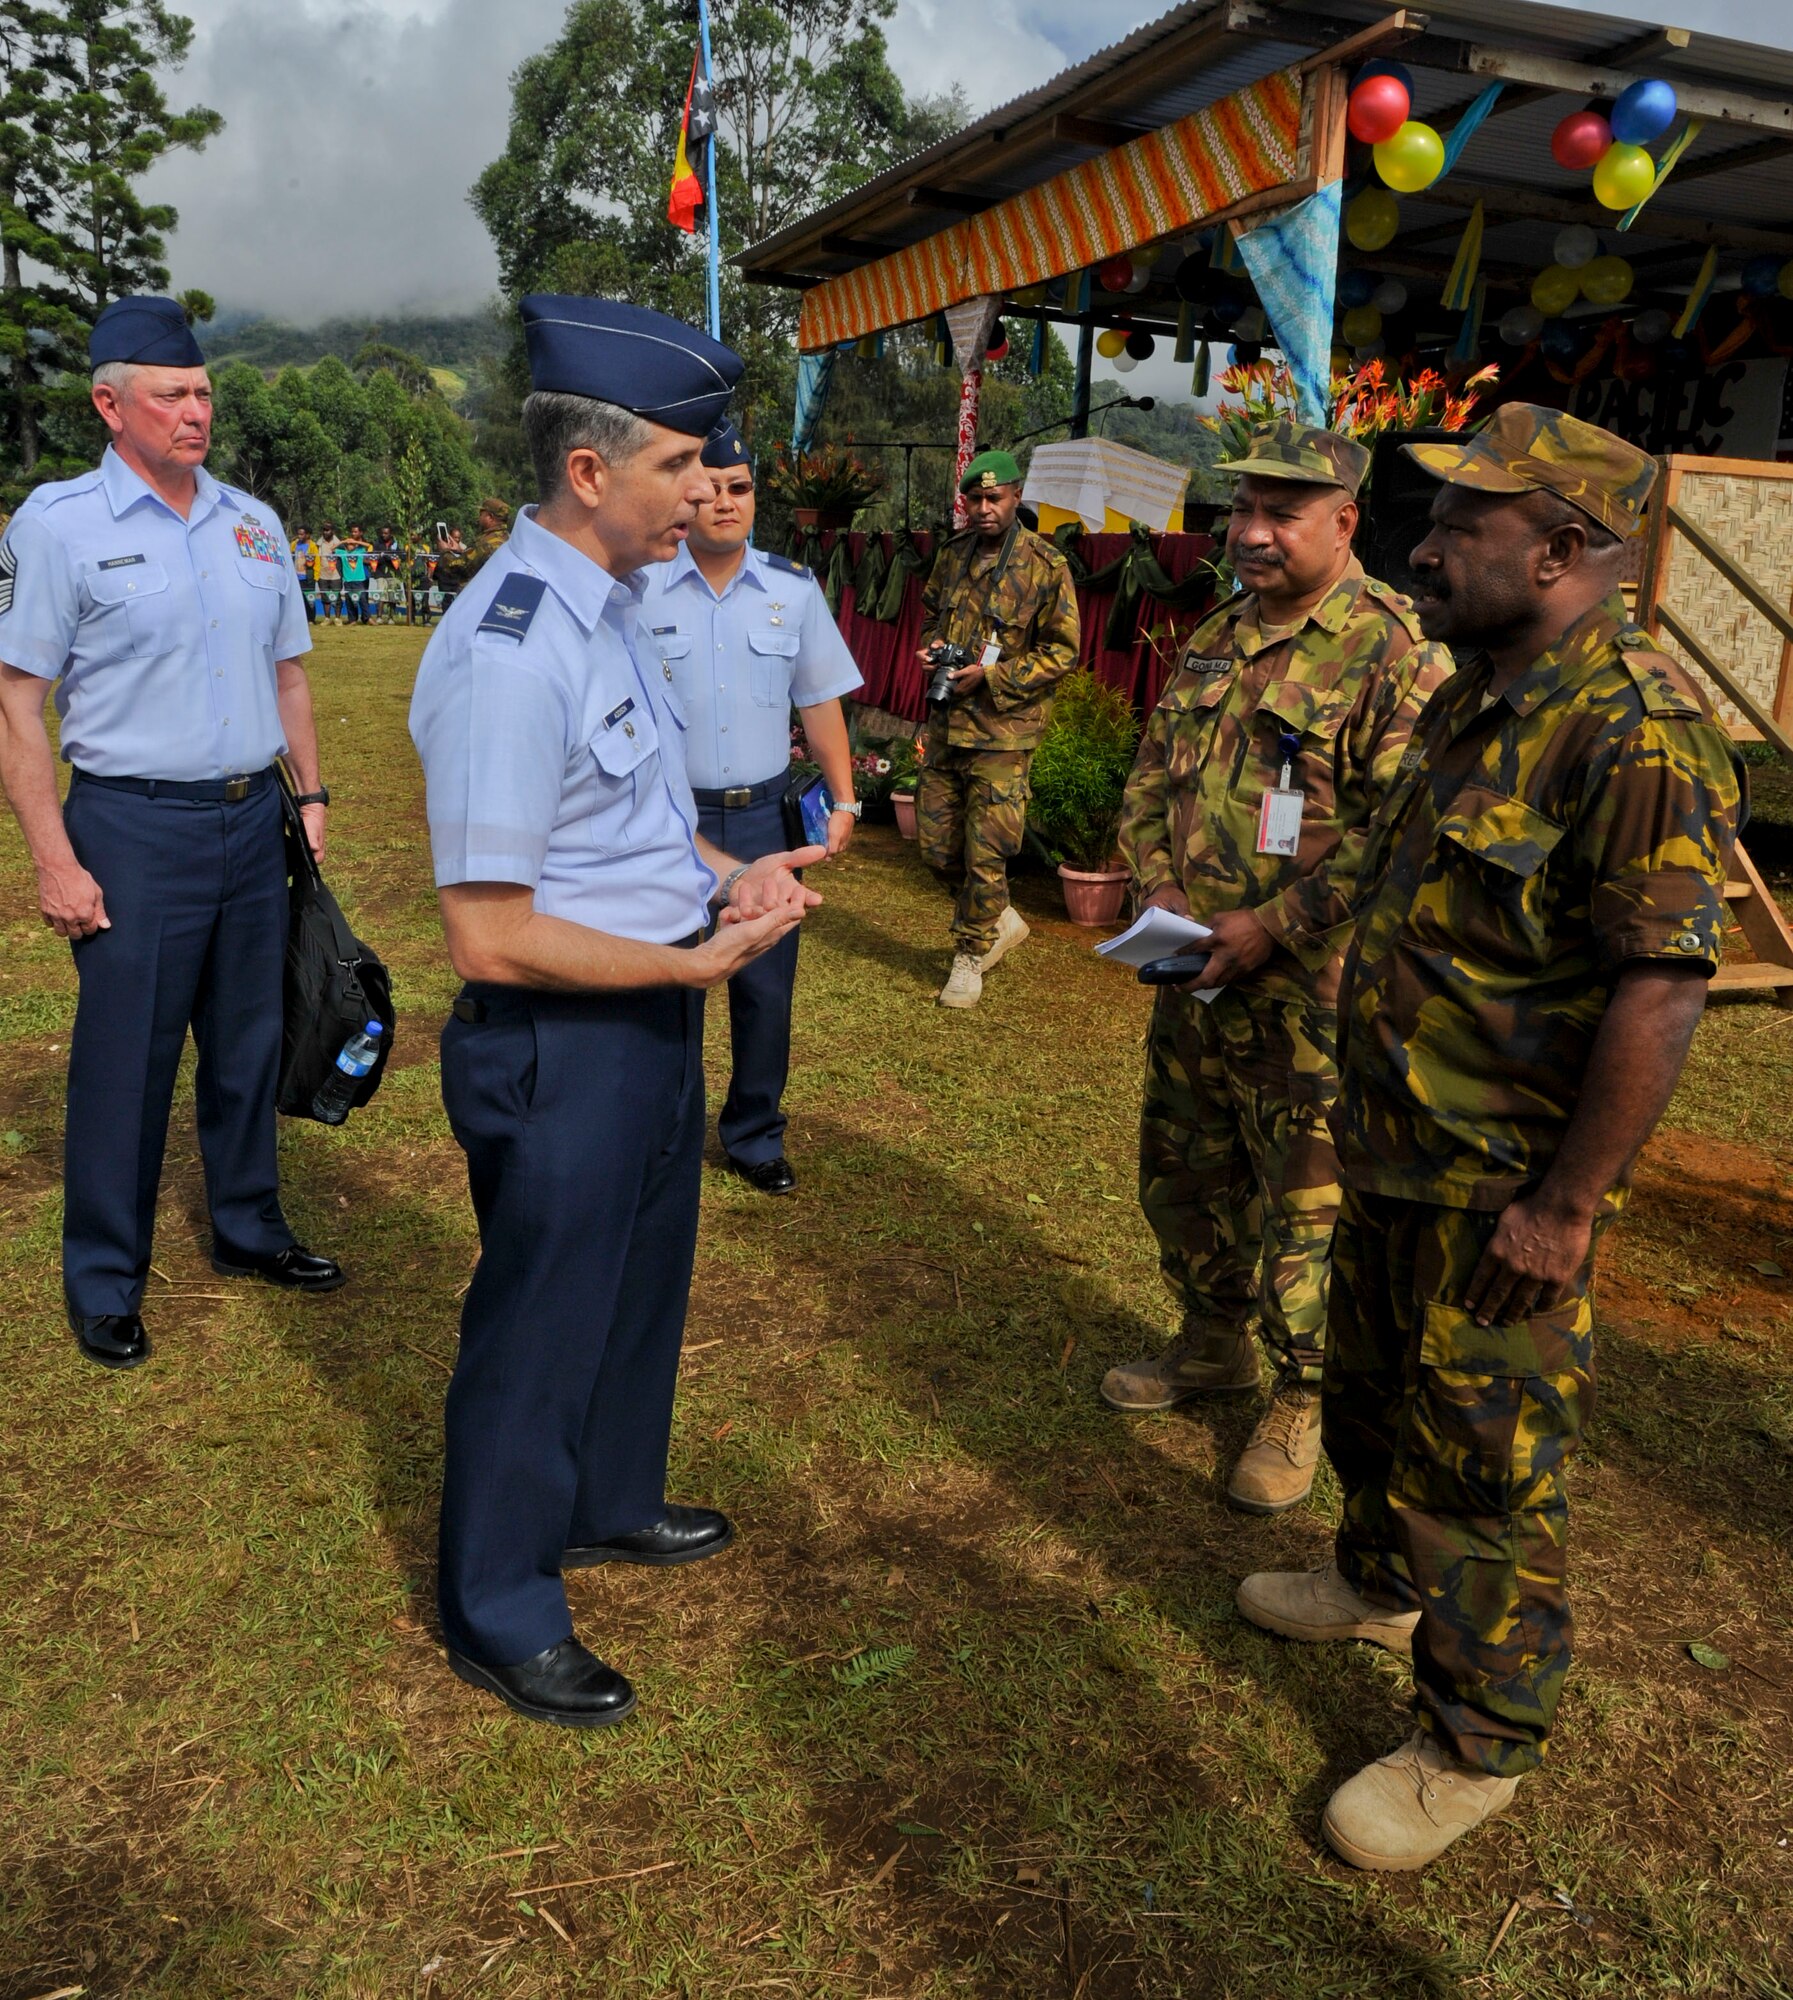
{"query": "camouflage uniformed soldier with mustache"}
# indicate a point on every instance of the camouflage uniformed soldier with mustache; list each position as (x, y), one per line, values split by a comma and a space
(1005, 596)
(1304, 689)
(1542, 904)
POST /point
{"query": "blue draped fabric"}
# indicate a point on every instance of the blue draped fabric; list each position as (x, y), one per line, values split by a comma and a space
(1293, 260)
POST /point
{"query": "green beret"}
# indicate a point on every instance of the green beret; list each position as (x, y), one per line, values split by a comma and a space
(990, 469)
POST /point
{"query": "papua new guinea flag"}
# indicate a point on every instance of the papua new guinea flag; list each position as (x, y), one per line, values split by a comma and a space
(690, 173)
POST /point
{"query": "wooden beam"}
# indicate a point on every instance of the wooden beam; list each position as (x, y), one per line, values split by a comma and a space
(1533, 206)
(950, 200)
(1716, 105)
(1104, 132)
(855, 246)
(1647, 47)
(784, 281)
(1403, 25)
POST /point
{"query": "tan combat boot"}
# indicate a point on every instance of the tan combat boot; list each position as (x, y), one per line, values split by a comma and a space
(1201, 1361)
(1276, 1469)
(964, 985)
(1011, 930)
(1406, 1808)
(1312, 1604)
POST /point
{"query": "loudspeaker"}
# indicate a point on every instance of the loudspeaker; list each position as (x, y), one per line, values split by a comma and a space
(1396, 506)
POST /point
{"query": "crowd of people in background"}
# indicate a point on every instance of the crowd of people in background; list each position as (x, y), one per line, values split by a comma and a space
(391, 580)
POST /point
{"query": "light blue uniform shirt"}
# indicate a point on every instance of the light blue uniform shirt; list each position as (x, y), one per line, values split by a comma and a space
(741, 660)
(551, 756)
(161, 634)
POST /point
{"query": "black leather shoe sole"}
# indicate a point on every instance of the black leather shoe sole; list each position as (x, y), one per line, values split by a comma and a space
(591, 1558)
(113, 1360)
(335, 1284)
(482, 1677)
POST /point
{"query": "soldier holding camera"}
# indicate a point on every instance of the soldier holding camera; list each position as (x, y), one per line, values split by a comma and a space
(1000, 633)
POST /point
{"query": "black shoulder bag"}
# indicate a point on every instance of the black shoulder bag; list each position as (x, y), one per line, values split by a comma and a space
(334, 984)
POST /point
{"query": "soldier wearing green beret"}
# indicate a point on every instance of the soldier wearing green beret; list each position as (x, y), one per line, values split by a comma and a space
(1538, 915)
(1002, 595)
(1250, 801)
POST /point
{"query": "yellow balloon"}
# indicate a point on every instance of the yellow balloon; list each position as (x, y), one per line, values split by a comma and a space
(1785, 281)
(1110, 343)
(1606, 281)
(1372, 219)
(1362, 324)
(1412, 159)
(1623, 175)
(1555, 289)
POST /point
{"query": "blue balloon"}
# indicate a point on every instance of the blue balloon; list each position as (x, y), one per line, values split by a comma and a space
(1560, 341)
(1643, 111)
(1762, 277)
(1229, 306)
(1402, 74)
(1358, 287)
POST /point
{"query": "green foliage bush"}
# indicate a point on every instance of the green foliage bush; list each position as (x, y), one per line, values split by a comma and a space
(1080, 773)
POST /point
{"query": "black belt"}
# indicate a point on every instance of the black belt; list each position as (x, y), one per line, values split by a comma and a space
(204, 791)
(737, 796)
(476, 1006)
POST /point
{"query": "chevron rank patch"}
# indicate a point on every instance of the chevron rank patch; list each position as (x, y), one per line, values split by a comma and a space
(519, 598)
(256, 539)
(9, 569)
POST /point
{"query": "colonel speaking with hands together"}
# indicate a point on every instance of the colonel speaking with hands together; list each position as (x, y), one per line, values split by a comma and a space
(578, 898)
(163, 607)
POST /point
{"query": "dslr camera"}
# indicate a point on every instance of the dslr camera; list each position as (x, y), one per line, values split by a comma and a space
(945, 660)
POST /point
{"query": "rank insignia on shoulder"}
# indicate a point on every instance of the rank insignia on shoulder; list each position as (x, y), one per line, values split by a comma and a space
(1197, 663)
(518, 599)
(619, 711)
(785, 563)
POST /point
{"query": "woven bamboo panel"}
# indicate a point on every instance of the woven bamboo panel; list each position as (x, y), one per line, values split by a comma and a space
(1750, 517)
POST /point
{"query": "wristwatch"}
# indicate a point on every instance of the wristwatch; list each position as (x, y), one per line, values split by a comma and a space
(852, 806)
(321, 797)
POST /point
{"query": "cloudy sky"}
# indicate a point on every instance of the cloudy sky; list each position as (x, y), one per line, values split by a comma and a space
(353, 128)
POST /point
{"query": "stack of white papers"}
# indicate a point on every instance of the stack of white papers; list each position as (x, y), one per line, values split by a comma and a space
(1157, 934)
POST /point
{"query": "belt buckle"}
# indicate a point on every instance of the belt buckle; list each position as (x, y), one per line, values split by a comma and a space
(736, 797)
(235, 789)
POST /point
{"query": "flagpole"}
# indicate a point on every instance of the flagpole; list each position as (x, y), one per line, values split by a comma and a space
(703, 30)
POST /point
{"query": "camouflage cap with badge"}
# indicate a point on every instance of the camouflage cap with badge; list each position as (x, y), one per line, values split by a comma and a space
(1285, 449)
(1525, 448)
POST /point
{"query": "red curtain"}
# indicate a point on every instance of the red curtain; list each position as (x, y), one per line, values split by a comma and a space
(1139, 668)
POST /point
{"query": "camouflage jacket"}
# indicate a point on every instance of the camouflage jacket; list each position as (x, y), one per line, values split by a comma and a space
(1033, 617)
(455, 569)
(1539, 842)
(1347, 687)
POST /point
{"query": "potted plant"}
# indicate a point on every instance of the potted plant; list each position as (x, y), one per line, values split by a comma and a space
(1078, 780)
(823, 488)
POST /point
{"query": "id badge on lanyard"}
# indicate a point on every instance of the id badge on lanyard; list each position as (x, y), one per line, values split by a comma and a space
(1279, 816)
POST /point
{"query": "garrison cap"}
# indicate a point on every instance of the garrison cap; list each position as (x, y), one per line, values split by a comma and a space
(723, 447)
(150, 331)
(1524, 448)
(660, 368)
(988, 470)
(1285, 449)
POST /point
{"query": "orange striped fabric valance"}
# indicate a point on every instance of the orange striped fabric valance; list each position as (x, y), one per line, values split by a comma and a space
(1157, 184)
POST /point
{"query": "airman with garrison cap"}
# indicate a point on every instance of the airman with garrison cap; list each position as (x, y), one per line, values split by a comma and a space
(1249, 804)
(1539, 912)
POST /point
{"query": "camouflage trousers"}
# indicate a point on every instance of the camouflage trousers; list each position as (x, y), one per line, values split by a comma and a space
(1450, 1441)
(1237, 1173)
(970, 811)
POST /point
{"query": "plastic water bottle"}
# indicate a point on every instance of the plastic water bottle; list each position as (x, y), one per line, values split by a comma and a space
(356, 1057)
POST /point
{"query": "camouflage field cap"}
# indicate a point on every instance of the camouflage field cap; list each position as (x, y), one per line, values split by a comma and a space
(1525, 448)
(1288, 450)
(988, 470)
(496, 508)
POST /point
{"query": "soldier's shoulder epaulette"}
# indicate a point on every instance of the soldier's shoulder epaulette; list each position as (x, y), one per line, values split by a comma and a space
(1042, 546)
(53, 492)
(786, 565)
(514, 605)
(1665, 687)
(1398, 606)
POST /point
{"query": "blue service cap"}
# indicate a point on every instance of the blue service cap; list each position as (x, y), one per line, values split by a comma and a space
(723, 447)
(147, 330)
(642, 361)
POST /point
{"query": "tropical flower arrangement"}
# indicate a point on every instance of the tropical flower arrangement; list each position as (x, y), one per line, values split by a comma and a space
(878, 768)
(1365, 403)
(832, 479)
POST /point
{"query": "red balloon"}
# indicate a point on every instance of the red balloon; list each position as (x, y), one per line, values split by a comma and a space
(1578, 142)
(1114, 275)
(1378, 109)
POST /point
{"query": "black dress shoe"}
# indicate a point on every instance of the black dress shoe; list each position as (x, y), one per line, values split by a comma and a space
(683, 1535)
(566, 1684)
(294, 1269)
(114, 1340)
(769, 1176)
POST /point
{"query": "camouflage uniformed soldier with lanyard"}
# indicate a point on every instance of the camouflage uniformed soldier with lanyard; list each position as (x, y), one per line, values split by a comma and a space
(1247, 809)
(457, 568)
(1004, 595)
(1541, 912)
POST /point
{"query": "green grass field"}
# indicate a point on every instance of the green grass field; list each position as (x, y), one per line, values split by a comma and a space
(968, 1710)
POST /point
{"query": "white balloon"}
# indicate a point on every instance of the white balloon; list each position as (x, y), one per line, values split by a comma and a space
(1575, 246)
(1521, 325)
(1141, 278)
(1650, 327)
(1124, 363)
(1389, 296)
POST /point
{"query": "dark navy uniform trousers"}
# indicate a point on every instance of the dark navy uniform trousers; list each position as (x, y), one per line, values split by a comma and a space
(197, 897)
(582, 1118)
(752, 1121)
